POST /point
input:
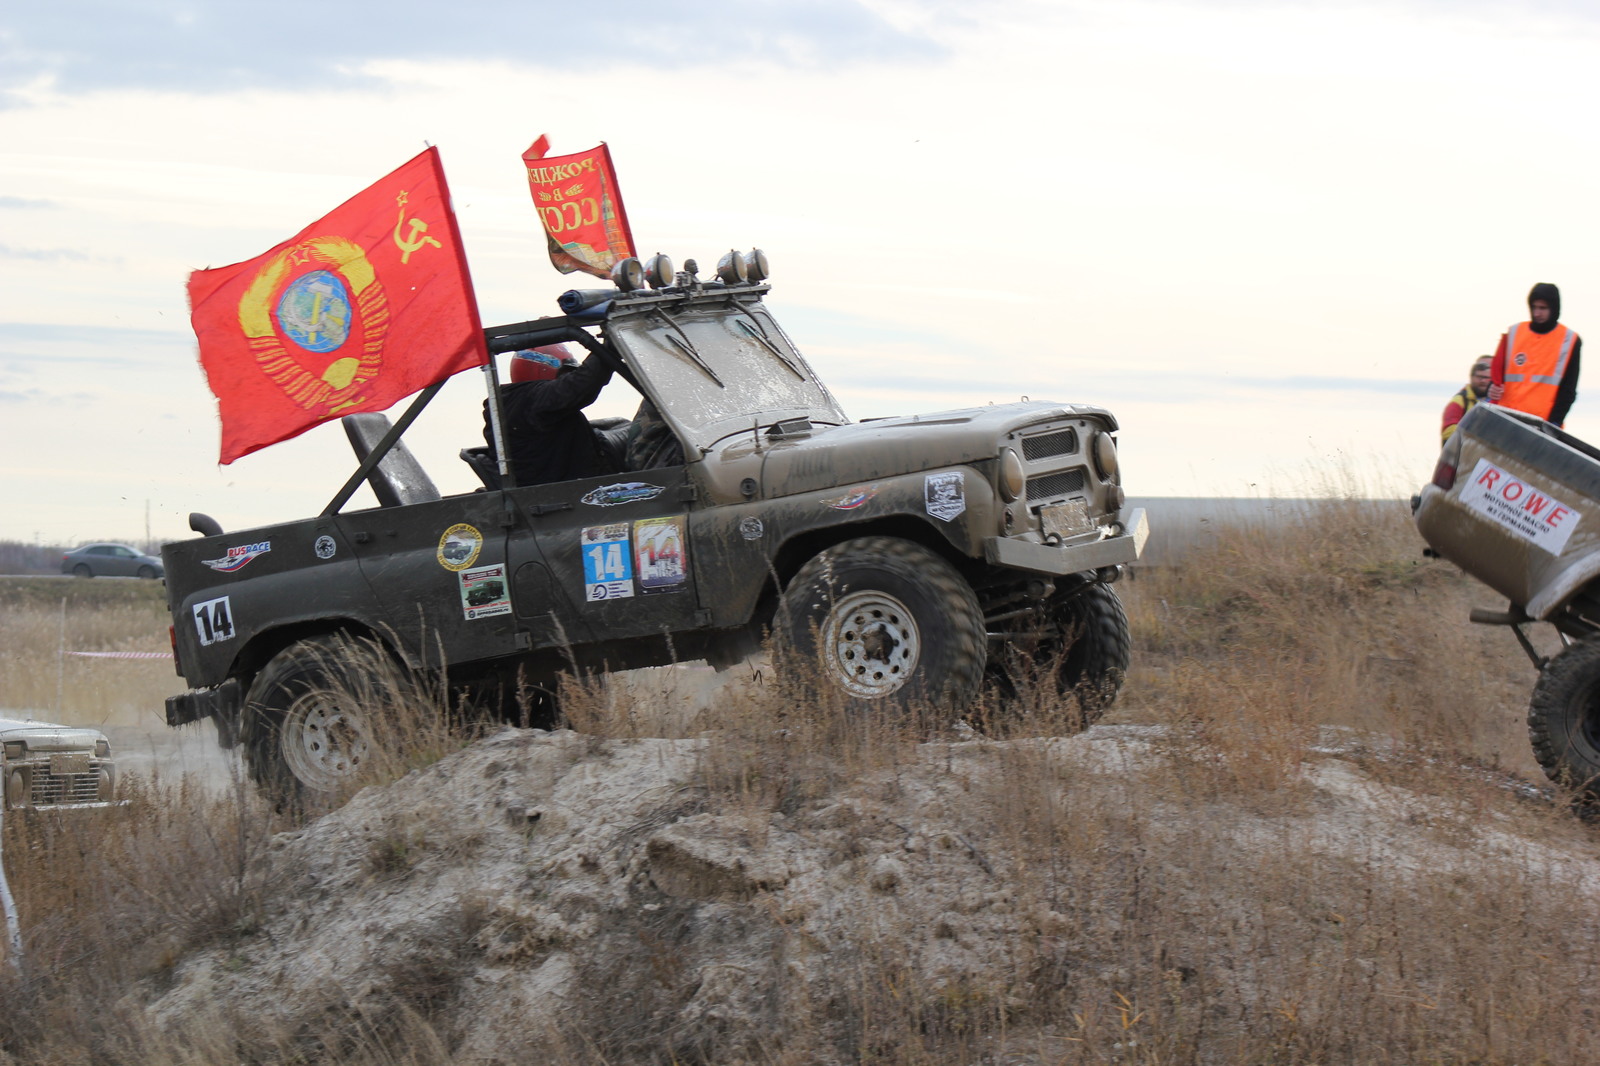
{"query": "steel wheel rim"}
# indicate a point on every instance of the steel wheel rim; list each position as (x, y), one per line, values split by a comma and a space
(871, 644)
(322, 745)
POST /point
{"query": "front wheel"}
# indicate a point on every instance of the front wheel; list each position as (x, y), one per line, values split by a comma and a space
(306, 735)
(147, 572)
(883, 620)
(1564, 718)
(1083, 651)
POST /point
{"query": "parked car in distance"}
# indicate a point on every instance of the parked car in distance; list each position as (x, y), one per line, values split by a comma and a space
(111, 560)
(52, 766)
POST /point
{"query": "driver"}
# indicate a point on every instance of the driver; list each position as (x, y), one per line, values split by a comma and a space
(547, 435)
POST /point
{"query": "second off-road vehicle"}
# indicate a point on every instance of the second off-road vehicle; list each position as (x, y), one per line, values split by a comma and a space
(919, 557)
(1515, 502)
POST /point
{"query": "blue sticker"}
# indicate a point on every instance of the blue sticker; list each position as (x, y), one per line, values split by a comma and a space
(621, 493)
(607, 562)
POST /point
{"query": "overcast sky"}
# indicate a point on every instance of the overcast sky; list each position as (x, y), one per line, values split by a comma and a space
(1270, 237)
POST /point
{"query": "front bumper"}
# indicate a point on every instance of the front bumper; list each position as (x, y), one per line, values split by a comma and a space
(1016, 554)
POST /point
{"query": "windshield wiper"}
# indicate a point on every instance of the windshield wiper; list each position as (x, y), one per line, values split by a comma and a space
(681, 339)
(744, 324)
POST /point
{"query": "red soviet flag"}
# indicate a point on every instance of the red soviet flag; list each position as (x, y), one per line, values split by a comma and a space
(354, 313)
(581, 208)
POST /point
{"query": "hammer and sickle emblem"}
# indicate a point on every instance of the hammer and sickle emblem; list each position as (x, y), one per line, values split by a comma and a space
(411, 242)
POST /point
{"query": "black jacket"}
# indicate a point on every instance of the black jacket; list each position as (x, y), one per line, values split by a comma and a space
(546, 433)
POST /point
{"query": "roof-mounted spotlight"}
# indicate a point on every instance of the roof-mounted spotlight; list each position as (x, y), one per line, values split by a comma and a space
(755, 265)
(658, 271)
(731, 269)
(627, 274)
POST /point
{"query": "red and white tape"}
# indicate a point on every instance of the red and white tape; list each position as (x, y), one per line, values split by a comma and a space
(123, 654)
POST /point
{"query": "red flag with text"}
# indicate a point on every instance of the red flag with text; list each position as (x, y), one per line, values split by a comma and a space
(581, 208)
(354, 313)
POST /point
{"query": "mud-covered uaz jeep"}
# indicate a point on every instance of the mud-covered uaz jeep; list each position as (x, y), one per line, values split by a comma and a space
(911, 557)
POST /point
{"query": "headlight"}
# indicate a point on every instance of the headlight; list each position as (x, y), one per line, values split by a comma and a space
(627, 274)
(733, 269)
(16, 789)
(658, 271)
(1012, 478)
(1105, 456)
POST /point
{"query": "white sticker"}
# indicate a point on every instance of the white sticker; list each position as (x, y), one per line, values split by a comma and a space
(213, 620)
(946, 495)
(1518, 507)
(236, 557)
(484, 592)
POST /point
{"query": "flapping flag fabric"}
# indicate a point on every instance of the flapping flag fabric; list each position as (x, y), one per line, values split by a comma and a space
(580, 206)
(354, 313)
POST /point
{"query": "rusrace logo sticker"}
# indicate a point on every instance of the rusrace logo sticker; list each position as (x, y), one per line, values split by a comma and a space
(459, 547)
(239, 556)
(623, 492)
(325, 547)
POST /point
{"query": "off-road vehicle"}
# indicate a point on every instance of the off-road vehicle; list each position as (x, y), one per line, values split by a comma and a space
(44, 765)
(913, 557)
(1515, 502)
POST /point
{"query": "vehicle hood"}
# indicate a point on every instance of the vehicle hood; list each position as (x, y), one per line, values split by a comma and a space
(887, 447)
(46, 736)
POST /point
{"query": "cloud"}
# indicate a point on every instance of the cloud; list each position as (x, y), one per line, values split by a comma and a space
(20, 203)
(214, 45)
(28, 345)
(44, 255)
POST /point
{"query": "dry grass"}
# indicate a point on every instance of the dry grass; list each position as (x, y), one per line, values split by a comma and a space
(44, 620)
(1208, 905)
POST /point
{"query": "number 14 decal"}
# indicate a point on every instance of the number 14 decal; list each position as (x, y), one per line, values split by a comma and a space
(213, 621)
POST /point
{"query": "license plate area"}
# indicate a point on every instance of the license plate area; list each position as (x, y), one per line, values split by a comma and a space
(1064, 520)
(69, 762)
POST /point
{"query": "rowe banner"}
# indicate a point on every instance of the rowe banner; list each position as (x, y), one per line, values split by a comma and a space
(354, 313)
(581, 208)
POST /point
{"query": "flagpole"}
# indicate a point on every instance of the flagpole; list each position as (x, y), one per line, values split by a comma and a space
(491, 377)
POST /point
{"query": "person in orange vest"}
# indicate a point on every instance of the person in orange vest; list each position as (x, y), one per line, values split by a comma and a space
(1476, 388)
(1535, 369)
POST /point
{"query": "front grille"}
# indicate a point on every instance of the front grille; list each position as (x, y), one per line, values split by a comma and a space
(50, 789)
(1046, 445)
(1051, 486)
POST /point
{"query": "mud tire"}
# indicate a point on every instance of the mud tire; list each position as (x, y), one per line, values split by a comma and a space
(883, 622)
(1564, 719)
(1093, 646)
(1097, 661)
(304, 742)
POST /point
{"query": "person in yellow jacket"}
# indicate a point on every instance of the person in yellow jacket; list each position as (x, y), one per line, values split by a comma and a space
(1476, 388)
(1535, 369)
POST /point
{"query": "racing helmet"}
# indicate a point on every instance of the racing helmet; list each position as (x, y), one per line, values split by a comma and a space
(541, 364)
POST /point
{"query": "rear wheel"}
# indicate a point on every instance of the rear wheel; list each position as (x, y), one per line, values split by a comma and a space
(305, 736)
(82, 570)
(1564, 718)
(883, 620)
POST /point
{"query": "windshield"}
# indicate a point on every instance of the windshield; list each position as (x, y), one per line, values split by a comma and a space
(720, 368)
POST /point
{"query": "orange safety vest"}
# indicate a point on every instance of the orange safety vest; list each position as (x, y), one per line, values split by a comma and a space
(1535, 365)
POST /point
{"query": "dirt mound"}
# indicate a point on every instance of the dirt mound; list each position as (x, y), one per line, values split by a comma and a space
(552, 896)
